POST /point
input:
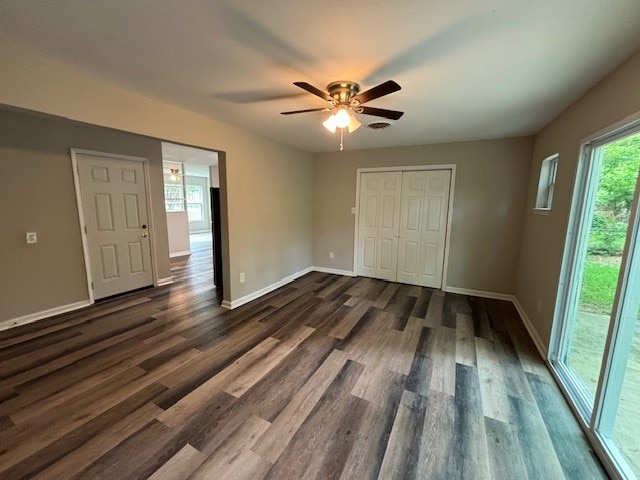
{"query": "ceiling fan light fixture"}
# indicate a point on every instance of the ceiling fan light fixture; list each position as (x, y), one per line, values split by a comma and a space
(342, 117)
(174, 174)
(354, 124)
(330, 123)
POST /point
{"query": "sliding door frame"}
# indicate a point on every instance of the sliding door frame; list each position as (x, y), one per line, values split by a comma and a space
(568, 292)
(412, 168)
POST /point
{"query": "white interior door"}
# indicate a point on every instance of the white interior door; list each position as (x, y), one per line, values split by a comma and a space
(423, 227)
(379, 223)
(114, 201)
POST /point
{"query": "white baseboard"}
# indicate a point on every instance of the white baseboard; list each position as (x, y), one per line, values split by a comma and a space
(263, 291)
(533, 333)
(164, 281)
(334, 271)
(184, 253)
(479, 293)
(34, 317)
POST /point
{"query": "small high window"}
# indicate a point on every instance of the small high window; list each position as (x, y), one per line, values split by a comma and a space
(547, 182)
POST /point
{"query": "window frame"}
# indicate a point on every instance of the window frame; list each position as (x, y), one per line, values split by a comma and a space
(546, 184)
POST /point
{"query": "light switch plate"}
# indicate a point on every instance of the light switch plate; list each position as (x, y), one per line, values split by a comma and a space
(32, 237)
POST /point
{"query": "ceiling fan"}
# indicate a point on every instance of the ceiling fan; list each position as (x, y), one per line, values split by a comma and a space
(345, 99)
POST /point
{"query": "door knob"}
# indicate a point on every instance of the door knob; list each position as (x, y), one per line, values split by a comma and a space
(145, 235)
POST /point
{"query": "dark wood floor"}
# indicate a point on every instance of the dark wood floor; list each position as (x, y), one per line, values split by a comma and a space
(328, 377)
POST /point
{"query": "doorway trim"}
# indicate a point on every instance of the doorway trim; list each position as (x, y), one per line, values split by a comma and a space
(407, 168)
(76, 182)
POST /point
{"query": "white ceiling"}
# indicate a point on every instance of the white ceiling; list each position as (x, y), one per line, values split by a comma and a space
(196, 160)
(469, 69)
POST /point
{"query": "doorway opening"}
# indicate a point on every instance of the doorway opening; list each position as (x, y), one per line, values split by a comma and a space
(595, 348)
(192, 201)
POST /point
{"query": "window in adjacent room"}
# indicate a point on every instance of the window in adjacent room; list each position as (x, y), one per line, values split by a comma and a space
(174, 198)
(547, 182)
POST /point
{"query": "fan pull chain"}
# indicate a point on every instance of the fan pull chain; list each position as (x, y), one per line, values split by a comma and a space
(341, 139)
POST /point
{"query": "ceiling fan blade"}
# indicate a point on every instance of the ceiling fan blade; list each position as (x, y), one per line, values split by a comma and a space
(311, 89)
(376, 92)
(305, 111)
(380, 112)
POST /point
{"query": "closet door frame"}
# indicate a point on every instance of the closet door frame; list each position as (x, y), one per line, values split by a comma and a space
(411, 168)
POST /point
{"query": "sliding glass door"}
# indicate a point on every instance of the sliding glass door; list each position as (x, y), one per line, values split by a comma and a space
(596, 343)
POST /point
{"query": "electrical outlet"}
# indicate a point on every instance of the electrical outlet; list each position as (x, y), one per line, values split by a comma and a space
(353, 210)
(241, 277)
(32, 237)
(330, 254)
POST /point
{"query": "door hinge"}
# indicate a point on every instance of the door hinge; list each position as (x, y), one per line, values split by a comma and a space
(92, 287)
(85, 230)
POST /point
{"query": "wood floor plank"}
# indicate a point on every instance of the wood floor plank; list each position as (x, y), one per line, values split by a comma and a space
(402, 453)
(188, 405)
(181, 465)
(419, 379)
(574, 452)
(470, 439)
(481, 325)
(514, 377)
(234, 459)
(540, 457)
(371, 442)
(341, 282)
(495, 396)
(465, 344)
(131, 458)
(321, 446)
(437, 441)
(262, 400)
(91, 450)
(422, 303)
(401, 305)
(346, 323)
(433, 317)
(26, 372)
(80, 389)
(51, 452)
(443, 361)
(383, 298)
(39, 437)
(505, 454)
(273, 442)
(240, 384)
(405, 349)
(452, 306)
(326, 377)
(529, 357)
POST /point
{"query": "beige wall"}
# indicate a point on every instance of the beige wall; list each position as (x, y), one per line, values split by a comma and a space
(37, 195)
(609, 102)
(268, 184)
(488, 206)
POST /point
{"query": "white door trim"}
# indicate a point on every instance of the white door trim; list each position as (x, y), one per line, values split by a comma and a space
(76, 182)
(411, 168)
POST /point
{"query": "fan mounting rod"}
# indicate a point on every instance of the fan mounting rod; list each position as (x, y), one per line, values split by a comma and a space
(343, 91)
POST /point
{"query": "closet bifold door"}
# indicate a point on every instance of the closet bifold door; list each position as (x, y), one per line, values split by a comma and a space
(423, 227)
(379, 224)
